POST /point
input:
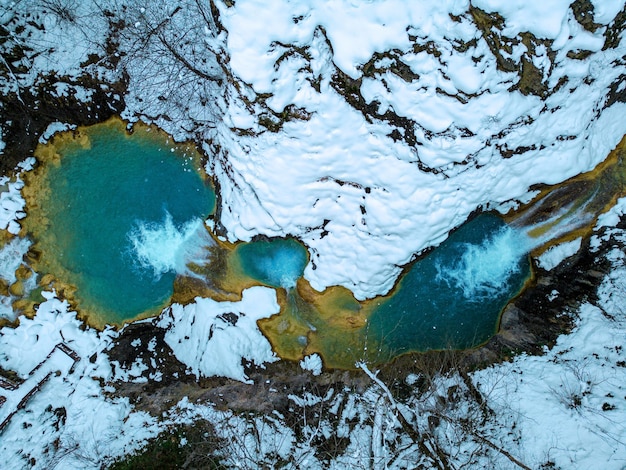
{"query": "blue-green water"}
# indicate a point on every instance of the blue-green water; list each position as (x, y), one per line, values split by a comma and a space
(277, 262)
(121, 214)
(453, 297)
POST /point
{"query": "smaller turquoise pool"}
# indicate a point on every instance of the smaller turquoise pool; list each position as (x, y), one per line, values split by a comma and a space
(277, 262)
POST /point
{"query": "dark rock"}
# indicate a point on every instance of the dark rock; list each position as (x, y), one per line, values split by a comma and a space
(583, 12)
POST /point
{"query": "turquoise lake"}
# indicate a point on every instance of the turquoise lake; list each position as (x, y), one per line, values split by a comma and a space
(119, 212)
(453, 297)
(125, 215)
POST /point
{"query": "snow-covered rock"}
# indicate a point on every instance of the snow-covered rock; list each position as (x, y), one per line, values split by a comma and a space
(400, 119)
(213, 338)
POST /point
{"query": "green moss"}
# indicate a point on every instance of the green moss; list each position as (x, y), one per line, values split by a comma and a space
(162, 453)
(192, 446)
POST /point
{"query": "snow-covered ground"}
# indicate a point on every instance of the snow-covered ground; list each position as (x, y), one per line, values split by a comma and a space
(368, 131)
(365, 200)
(213, 338)
(565, 408)
(69, 422)
(12, 204)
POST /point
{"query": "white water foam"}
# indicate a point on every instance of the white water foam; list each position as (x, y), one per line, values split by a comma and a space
(163, 247)
(568, 218)
(485, 270)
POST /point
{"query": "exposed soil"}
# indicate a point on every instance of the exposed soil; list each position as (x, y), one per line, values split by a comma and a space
(268, 391)
(24, 118)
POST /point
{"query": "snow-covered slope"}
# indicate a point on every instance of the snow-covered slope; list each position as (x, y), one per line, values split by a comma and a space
(370, 130)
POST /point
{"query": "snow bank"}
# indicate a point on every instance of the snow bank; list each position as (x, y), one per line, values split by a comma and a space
(612, 217)
(312, 363)
(54, 128)
(213, 338)
(11, 257)
(11, 206)
(12, 203)
(569, 402)
(69, 422)
(363, 201)
(553, 256)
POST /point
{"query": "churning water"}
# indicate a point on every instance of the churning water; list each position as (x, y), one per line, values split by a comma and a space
(162, 247)
(453, 296)
(482, 271)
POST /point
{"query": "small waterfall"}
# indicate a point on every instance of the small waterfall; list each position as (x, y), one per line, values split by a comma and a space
(162, 247)
(485, 270)
(564, 210)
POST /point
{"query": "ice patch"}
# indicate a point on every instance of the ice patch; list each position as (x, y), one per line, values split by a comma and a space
(553, 257)
(163, 247)
(312, 363)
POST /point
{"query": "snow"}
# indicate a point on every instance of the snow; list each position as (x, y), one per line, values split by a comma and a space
(54, 128)
(364, 202)
(11, 257)
(212, 337)
(605, 12)
(133, 374)
(95, 428)
(11, 205)
(292, 181)
(543, 19)
(57, 362)
(555, 254)
(569, 403)
(312, 363)
(612, 217)
(608, 220)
